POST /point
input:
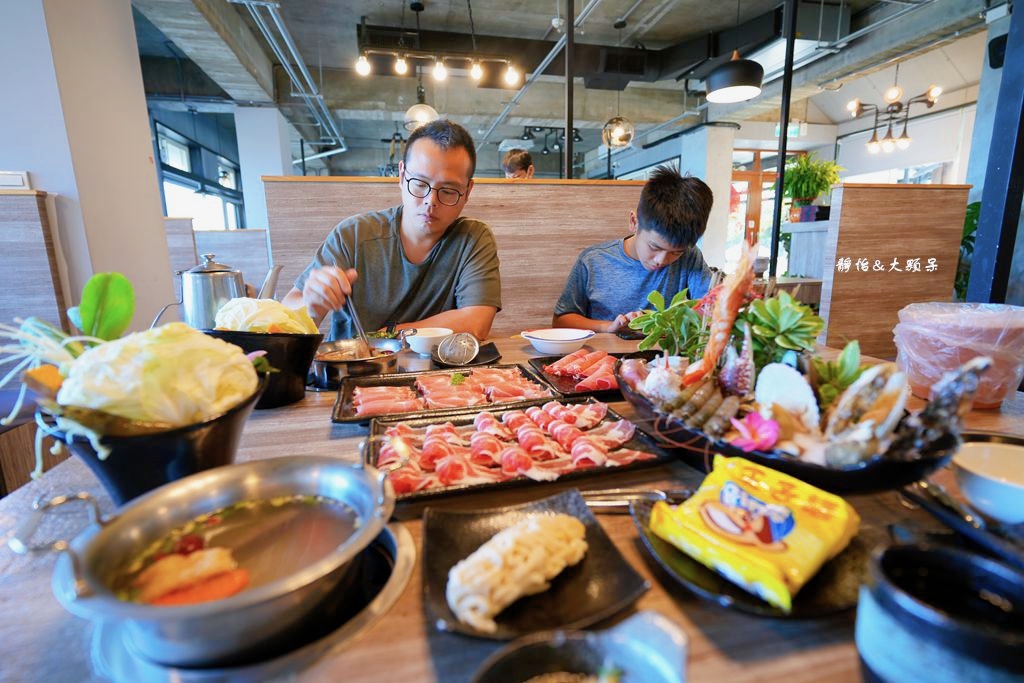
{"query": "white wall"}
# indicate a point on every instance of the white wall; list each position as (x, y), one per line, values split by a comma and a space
(74, 115)
(263, 149)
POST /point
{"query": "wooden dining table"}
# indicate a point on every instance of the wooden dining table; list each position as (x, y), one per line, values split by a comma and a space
(40, 641)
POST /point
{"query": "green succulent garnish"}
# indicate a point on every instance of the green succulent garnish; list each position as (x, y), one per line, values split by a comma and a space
(780, 324)
(831, 378)
(458, 378)
(675, 328)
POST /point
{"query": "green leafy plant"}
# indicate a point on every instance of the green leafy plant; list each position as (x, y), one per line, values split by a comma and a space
(806, 178)
(675, 328)
(457, 379)
(108, 304)
(831, 378)
(778, 325)
(963, 267)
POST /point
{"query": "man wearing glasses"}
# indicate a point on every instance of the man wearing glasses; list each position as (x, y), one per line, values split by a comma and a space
(415, 265)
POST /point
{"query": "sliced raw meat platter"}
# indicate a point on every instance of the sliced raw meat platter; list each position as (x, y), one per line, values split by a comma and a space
(538, 443)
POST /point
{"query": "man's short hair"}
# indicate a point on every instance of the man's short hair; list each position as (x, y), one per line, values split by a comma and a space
(674, 206)
(446, 135)
(516, 160)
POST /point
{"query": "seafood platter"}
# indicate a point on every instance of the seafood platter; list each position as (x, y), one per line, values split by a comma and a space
(436, 392)
(495, 448)
(584, 372)
(754, 388)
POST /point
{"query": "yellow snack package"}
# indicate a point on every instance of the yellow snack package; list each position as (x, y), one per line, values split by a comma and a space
(763, 530)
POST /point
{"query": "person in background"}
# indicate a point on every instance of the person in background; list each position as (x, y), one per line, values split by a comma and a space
(419, 264)
(517, 164)
(609, 283)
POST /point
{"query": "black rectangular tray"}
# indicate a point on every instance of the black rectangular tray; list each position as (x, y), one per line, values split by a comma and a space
(343, 412)
(566, 385)
(641, 441)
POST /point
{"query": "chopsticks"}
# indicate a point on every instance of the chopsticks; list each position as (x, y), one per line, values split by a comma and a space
(617, 501)
(354, 317)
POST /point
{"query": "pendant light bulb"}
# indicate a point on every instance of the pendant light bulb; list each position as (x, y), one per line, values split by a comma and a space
(401, 66)
(440, 72)
(363, 66)
(511, 75)
(476, 72)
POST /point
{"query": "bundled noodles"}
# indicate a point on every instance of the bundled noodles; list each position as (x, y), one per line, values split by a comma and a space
(515, 562)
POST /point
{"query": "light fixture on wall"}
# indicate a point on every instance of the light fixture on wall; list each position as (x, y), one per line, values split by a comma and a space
(618, 131)
(420, 113)
(737, 80)
(893, 111)
(473, 62)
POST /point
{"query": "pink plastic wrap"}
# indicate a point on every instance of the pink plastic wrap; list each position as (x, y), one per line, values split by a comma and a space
(933, 338)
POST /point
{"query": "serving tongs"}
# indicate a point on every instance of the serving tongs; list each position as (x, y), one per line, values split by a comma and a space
(991, 535)
(617, 501)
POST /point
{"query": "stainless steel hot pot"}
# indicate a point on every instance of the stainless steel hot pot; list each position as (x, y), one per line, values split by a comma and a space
(212, 632)
(327, 374)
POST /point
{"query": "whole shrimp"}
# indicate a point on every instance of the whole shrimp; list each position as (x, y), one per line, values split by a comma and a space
(723, 315)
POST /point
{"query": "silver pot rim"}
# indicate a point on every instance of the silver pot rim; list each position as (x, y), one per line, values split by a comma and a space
(97, 601)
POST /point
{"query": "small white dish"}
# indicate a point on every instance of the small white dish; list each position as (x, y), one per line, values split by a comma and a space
(991, 476)
(426, 339)
(557, 340)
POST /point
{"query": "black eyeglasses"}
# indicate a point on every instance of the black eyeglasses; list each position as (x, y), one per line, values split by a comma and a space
(421, 188)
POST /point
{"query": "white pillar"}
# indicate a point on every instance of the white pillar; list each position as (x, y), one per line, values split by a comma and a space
(264, 148)
(74, 115)
(707, 154)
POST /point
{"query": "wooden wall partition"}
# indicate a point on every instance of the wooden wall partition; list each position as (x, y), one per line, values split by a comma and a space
(181, 244)
(540, 226)
(32, 285)
(244, 250)
(883, 224)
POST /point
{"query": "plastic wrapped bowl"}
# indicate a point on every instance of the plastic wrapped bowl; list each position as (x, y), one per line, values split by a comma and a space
(936, 337)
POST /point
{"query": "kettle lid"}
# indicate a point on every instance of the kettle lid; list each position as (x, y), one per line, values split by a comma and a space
(210, 266)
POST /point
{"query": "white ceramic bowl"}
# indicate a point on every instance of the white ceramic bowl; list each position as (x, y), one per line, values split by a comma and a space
(991, 477)
(426, 338)
(558, 340)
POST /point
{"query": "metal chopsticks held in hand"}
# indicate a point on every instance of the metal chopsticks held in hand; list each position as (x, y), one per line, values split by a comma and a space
(351, 310)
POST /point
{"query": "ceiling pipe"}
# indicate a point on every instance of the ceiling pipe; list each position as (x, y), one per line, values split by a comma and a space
(535, 74)
(302, 82)
(319, 155)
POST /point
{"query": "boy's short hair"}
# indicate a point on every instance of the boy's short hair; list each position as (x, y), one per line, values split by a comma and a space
(446, 135)
(674, 206)
(516, 160)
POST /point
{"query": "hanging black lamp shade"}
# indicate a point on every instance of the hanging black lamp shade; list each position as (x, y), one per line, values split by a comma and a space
(736, 80)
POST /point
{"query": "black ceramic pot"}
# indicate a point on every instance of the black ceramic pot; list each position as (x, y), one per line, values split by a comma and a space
(137, 464)
(942, 615)
(290, 354)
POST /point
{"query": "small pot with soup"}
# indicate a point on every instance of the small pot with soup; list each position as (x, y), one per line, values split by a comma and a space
(342, 358)
(214, 567)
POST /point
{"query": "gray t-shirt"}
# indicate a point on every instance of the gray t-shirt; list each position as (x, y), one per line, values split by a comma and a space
(606, 282)
(461, 270)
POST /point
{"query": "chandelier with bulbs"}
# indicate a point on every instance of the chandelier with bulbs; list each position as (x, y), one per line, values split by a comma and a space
(892, 114)
(438, 62)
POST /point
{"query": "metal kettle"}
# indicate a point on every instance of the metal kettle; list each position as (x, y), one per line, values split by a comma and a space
(210, 285)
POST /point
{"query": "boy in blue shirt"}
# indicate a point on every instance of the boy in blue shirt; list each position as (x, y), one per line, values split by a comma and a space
(609, 283)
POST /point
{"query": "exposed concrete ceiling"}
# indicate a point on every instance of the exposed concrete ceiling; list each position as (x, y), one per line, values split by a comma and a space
(220, 40)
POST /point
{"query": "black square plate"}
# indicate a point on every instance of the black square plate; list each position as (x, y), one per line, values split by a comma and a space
(832, 590)
(344, 411)
(602, 584)
(641, 441)
(566, 386)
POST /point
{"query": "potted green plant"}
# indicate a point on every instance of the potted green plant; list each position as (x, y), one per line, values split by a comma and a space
(806, 178)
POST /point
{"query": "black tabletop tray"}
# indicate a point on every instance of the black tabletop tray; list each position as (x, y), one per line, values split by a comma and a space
(344, 412)
(641, 441)
(566, 386)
